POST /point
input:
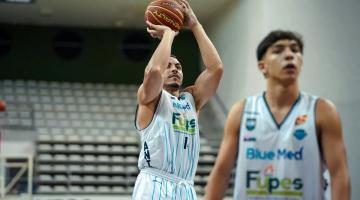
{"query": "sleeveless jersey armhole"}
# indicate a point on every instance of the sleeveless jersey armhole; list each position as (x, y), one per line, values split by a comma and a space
(316, 128)
(136, 124)
(192, 99)
(241, 121)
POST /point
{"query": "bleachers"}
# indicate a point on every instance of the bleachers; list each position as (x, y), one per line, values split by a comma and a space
(86, 140)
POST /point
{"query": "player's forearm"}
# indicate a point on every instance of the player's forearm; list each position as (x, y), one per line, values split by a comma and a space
(340, 187)
(209, 54)
(217, 185)
(160, 57)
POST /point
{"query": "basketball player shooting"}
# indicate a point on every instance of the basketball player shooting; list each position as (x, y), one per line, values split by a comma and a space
(167, 117)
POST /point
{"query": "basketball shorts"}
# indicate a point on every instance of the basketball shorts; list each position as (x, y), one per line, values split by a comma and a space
(152, 184)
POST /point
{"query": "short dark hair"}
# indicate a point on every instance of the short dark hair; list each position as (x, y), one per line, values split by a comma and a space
(275, 36)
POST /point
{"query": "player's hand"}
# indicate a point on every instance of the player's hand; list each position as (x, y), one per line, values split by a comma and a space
(190, 20)
(158, 31)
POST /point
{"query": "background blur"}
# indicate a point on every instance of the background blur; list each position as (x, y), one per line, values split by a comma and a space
(69, 71)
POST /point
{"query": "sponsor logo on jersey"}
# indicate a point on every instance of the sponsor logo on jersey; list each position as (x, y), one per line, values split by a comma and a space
(285, 154)
(300, 134)
(250, 124)
(182, 124)
(249, 139)
(181, 106)
(301, 120)
(266, 184)
(147, 154)
(251, 113)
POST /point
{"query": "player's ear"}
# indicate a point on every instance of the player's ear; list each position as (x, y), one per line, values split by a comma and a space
(261, 65)
(262, 68)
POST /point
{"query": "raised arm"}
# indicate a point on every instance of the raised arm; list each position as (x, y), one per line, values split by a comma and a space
(207, 83)
(220, 174)
(333, 149)
(153, 80)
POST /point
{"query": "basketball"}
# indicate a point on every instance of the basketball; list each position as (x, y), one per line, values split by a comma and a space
(165, 12)
(2, 106)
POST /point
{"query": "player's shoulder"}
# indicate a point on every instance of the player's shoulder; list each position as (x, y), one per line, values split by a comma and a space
(324, 105)
(189, 89)
(238, 106)
(326, 112)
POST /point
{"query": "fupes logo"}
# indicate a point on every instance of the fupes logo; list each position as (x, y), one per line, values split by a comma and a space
(258, 185)
(182, 124)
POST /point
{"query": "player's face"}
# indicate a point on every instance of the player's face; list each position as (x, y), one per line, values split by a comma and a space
(173, 74)
(283, 61)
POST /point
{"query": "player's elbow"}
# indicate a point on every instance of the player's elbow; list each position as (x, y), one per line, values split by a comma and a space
(220, 174)
(340, 185)
(346, 185)
(218, 68)
(217, 185)
(153, 71)
(341, 189)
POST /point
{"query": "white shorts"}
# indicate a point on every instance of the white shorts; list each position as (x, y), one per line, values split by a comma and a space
(152, 183)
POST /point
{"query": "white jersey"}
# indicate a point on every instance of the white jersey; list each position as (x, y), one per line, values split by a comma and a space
(171, 142)
(279, 161)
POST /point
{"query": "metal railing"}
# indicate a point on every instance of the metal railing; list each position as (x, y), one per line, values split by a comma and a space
(22, 162)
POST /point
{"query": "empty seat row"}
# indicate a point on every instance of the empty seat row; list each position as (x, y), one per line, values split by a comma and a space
(113, 139)
(78, 116)
(87, 147)
(80, 108)
(46, 169)
(84, 189)
(66, 85)
(82, 132)
(86, 179)
(83, 124)
(87, 158)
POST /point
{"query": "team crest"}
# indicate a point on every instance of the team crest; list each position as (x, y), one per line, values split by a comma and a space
(301, 119)
(300, 134)
(250, 124)
(182, 97)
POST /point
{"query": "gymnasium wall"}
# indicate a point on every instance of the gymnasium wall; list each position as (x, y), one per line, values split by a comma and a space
(102, 58)
(331, 32)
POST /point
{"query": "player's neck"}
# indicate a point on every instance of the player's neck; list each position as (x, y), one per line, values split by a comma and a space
(172, 91)
(282, 96)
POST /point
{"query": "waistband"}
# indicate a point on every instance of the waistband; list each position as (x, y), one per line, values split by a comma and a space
(167, 176)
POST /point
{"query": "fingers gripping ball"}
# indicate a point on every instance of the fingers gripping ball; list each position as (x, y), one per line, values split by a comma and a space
(165, 12)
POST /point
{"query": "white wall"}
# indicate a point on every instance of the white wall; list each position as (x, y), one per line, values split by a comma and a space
(331, 30)
(17, 142)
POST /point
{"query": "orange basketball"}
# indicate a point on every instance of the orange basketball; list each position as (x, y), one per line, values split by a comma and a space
(165, 12)
(2, 106)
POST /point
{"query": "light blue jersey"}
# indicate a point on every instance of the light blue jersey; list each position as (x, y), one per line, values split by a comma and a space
(279, 161)
(170, 150)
